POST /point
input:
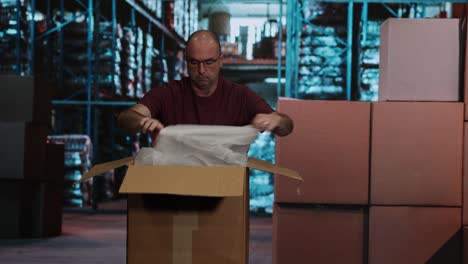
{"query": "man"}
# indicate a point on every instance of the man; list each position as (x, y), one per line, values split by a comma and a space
(203, 98)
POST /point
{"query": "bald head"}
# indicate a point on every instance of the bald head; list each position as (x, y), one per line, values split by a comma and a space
(203, 38)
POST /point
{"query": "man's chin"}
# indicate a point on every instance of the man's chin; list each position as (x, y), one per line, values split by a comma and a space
(202, 84)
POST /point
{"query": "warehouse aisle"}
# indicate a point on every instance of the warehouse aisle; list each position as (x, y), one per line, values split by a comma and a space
(101, 238)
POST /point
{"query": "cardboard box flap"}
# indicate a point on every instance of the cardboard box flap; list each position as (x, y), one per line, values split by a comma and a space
(266, 166)
(217, 181)
(103, 167)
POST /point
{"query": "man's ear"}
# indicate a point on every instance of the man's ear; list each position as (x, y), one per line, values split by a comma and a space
(221, 59)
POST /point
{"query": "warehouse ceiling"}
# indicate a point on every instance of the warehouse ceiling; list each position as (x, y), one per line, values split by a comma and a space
(242, 8)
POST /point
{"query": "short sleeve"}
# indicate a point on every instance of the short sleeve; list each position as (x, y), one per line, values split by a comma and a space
(256, 104)
(153, 100)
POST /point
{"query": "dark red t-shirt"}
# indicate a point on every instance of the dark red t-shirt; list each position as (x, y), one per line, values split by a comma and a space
(230, 105)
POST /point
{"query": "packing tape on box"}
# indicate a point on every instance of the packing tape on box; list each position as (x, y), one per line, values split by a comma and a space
(182, 229)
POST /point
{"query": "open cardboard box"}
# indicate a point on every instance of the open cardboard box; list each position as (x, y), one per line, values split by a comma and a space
(187, 214)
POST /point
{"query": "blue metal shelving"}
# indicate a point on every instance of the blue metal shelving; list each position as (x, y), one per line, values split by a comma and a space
(88, 104)
(296, 21)
(88, 14)
(18, 38)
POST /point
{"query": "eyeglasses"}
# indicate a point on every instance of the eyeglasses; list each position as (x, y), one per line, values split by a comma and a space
(206, 63)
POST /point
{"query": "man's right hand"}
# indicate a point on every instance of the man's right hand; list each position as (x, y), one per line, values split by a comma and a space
(138, 119)
(150, 125)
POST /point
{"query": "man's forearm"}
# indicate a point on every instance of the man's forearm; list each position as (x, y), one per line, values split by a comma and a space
(130, 120)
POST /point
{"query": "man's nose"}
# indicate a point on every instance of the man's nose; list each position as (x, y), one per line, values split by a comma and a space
(201, 67)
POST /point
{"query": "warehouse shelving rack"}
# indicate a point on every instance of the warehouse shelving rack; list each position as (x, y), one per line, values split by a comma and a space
(18, 51)
(84, 101)
(355, 33)
(89, 13)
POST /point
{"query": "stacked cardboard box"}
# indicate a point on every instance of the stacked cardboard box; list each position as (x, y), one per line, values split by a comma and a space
(322, 220)
(415, 182)
(31, 181)
(417, 139)
(409, 181)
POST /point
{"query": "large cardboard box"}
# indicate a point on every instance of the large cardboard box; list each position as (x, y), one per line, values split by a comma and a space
(419, 60)
(465, 245)
(187, 214)
(55, 163)
(317, 234)
(25, 99)
(465, 176)
(33, 208)
(30, 209)
(416, 153)
(408, 235)
(464, 74)
(330, 148)
(23, 151)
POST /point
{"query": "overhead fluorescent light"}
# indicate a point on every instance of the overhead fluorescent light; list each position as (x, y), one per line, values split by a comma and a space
(274, 80)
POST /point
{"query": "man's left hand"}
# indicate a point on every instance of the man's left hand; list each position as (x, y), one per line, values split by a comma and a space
(275, 122)
(266, 122)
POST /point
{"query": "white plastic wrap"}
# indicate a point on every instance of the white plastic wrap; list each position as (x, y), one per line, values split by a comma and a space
(200, 145)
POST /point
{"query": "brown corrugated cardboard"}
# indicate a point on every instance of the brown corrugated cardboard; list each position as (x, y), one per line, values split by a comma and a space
(465, 175)
(465, 64)
(329, 147)
(188, 229)
(310, 234)
(55, 163)
(412, 64)
(173, 180)
(465, 245)
(414, 235)
(187, 214)
(48, 203)
(33, 207)
(416, 153)
(53, 189)
(23, 151)
(30, 209)
(32, 94)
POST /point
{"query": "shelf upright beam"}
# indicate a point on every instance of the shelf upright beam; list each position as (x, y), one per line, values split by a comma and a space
(60, 44)
(114, 46)
(298, 19)
(132, 18)
(114, 39)
(290, 32)
(153, 20)
(18, 37)
(31, 37)
(349, 51)
(162, 46)
(48, 48)
(280, 48)
(90, 66)
(292, 45)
